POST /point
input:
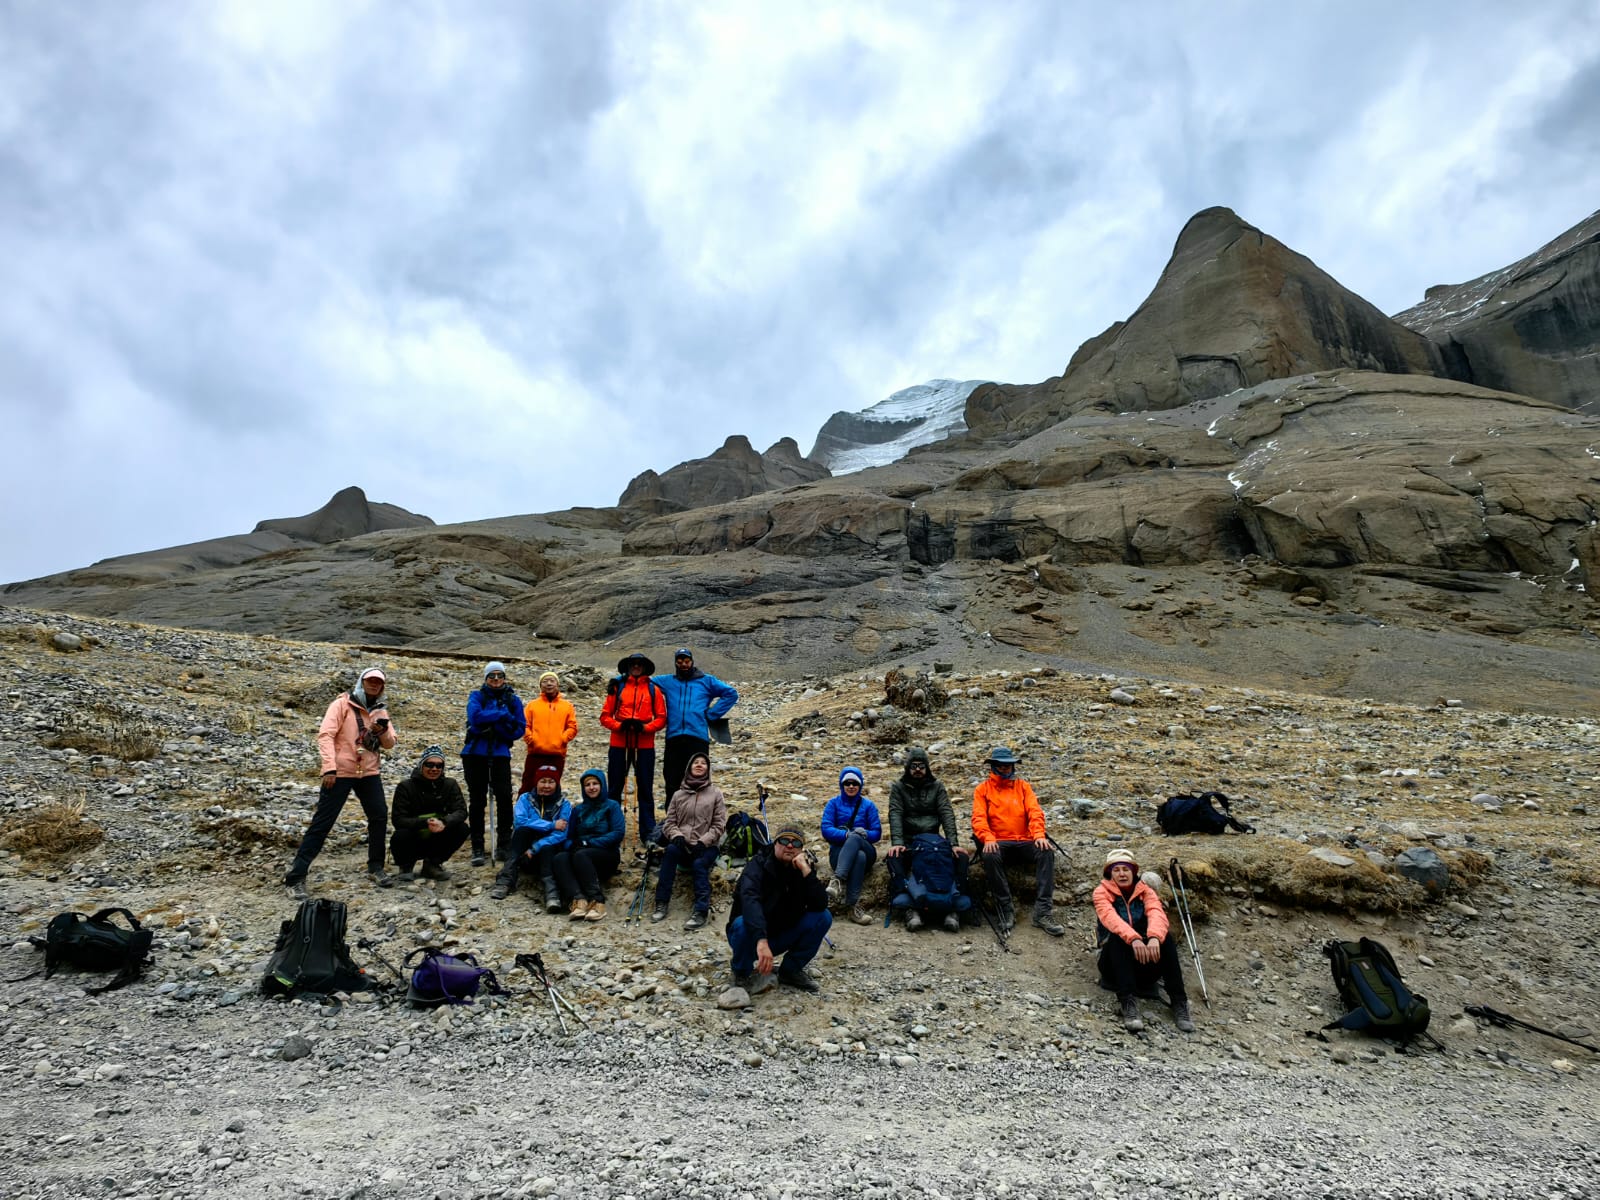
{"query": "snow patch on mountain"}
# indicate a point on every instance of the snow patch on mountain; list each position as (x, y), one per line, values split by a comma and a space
(884, 433)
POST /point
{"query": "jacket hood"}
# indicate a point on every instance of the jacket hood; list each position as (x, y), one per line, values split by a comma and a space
(690, 781)
(597, 773)
(622, 664)
(918, 754)
(852, 773)
(691, 673)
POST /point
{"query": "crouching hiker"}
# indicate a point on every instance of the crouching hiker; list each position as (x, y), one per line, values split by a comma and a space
(780, 908)
(1135, 949)
(697, 815)
(430, 819)
(538, 828)
(592, 852)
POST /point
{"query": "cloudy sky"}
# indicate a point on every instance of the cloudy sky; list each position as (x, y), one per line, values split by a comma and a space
(485, 258)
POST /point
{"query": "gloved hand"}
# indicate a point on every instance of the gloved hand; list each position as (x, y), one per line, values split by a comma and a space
(682, 843)
(632, 726)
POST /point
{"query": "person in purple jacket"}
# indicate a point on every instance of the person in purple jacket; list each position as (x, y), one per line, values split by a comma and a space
(851, 827)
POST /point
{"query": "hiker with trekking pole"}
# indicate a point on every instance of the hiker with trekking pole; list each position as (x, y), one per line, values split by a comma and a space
(1135, 949)
(1008, 825)
(635, 710)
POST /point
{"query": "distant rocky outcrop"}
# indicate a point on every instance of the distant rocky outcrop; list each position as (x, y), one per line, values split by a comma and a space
(913, 416)
(1233, 308)
(731, 472)
(348, 514)
(1532, 327)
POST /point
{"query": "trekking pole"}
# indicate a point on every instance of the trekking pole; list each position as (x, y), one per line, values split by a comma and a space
(371, 948)
(534, 965)
(1180, 894)
(636, 908)
(1506, 1021)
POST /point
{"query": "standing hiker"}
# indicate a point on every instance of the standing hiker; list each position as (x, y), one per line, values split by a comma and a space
(851, 827)
(1135, 946)
(354, 730)
(592, 852)
(693, 700)
(634, 711)
(696, 817)
(430, 818)
(494, 723)
(539, 827)
(919, 803)
(780, 909)
(1008, 825)
(551, 724)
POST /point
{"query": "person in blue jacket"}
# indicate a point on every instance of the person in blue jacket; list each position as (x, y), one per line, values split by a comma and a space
(693, 699)
(495, 723)
(538, 829)
(592, 851)
(851, 827)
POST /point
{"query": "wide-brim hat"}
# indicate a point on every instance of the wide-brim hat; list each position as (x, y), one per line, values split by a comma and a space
(1003, 754)
(623, 664)
(1119, 858)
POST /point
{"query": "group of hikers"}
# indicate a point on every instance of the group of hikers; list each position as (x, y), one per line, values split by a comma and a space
(781, 911)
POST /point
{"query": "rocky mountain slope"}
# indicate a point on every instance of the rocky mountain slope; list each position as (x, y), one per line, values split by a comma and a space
(731, 472)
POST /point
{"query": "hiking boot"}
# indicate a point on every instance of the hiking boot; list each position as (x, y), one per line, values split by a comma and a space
(552, 904)
(597, 911)
(296, 885)
(380, 879)
(761, 983)
(499, 890)
(913, 920)
(952, 923)
(1131, 1020)
(799, 980)
(1180, 1015)
(435, 871)
(835, 892)
(501, 854)
(744, 979)
(1048, 923)
(860, 915)
(1008, 918)
(407, 876)
(479, 858)
(696, 919)
(660, 913)
(579, 910)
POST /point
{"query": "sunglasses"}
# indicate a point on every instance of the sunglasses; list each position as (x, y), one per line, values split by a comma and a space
(495, 675)
(791, 843)
(433, 766)
(850, 783)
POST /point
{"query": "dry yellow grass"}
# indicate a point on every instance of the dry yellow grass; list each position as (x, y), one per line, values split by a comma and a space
(52, 831)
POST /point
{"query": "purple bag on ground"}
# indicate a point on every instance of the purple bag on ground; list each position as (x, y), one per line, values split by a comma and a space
(448, 979)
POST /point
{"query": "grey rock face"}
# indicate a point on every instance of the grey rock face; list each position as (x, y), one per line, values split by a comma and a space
(732, 472)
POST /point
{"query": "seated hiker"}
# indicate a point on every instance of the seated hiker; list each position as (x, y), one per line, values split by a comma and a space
(430, 818)
(696, 816)
(1135, 949)
(919, 803)
(1008, 825)
(592, 851)
(780, 908)
(851, 827)
(538, 826)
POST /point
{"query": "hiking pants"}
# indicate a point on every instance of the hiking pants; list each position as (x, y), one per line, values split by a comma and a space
(483, 772)
(851, 860)
(435, 848)
(582, 870)
(330, 802)
(644, 769)
(1026, 853)
(700, 860)
(1125, 975)
(675, 758)
(796, 945)
(534, 761)
(522, 841)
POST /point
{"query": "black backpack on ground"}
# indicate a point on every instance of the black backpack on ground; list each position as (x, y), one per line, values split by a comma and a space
(744, 837)
(1369, 982)
(95, 944)
(1196, 814)
(932, 888)
(311, 955)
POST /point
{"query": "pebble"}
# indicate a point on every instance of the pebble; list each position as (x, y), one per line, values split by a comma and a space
(295, 1046)
(734, 998)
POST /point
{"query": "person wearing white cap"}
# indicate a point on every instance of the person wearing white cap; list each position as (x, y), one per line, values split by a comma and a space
(354, 731)
(1135, 946)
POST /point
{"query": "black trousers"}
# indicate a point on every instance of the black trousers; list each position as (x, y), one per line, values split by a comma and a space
(1125, 975)
(644, 770)
(1026, 853)
(583, 870)
(330, 803)
(484, 772)
(520, 842)
(407, 847)
(675, 761)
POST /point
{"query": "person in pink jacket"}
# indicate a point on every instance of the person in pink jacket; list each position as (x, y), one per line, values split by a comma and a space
(1135, 943)
(354, 731)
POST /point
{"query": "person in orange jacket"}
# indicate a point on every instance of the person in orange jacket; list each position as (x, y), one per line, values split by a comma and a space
(1008, 825)
(1135, 948)
(552, 723)
(635, 710)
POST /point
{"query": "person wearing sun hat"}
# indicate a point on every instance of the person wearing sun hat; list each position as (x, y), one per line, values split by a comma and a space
(780, 909)
(1008, 825)
(430, 818)
(1135, 943)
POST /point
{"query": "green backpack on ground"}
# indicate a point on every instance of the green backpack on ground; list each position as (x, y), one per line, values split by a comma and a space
(1369, 982)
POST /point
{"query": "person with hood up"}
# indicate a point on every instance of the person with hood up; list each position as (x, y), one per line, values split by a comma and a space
(1008, 825)
(851, 827)
(551, 724)
(494, 723)
(1135, 946)
(430, 819)
(694, 699)
(780, 908)
(354, 731)
(592, 851)
(919, 803)
(697, 816)
(635, 710)
(538, 827)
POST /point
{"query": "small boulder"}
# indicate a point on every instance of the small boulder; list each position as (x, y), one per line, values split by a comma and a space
(734, 998)
(1422, 865)
(66, 642)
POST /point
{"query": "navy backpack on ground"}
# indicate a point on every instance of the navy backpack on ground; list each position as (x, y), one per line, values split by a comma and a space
(1195, 814)
(1369, 982)
(933, 888)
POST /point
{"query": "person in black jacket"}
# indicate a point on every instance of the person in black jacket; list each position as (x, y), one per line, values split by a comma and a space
(779, 908)
(430, 818)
